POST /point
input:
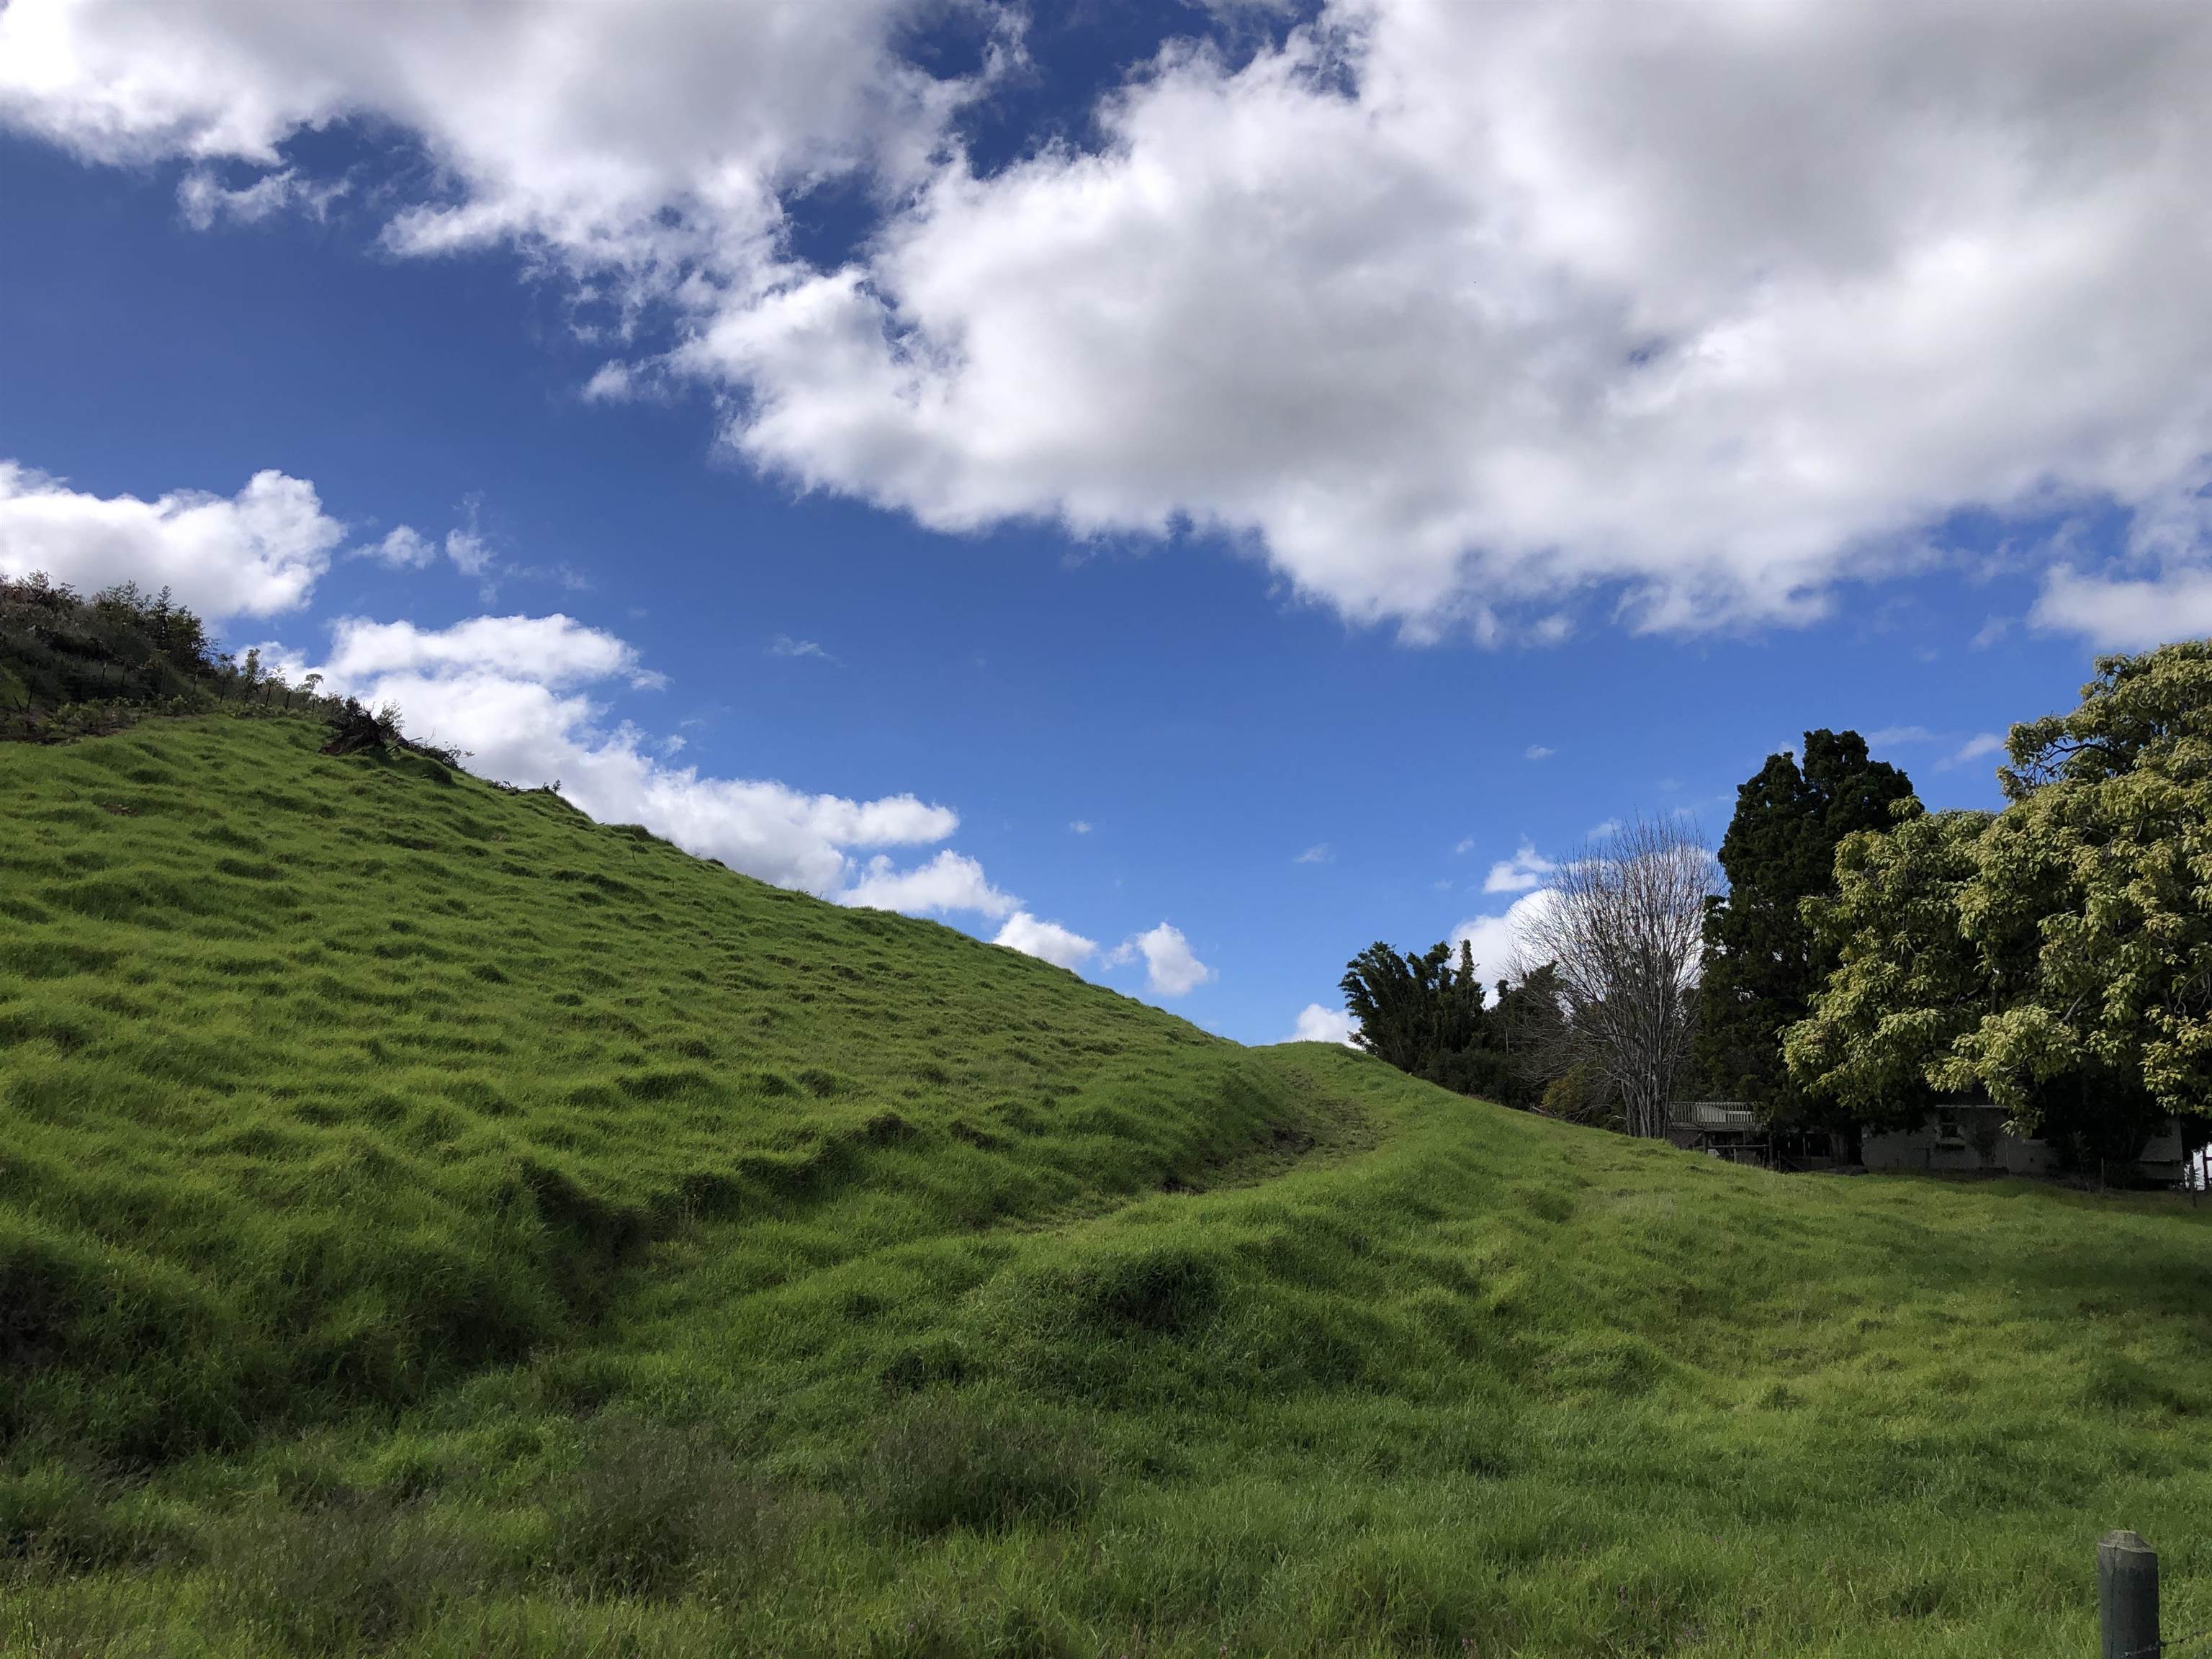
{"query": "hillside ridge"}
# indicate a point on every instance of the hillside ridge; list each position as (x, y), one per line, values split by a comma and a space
(430, 1221)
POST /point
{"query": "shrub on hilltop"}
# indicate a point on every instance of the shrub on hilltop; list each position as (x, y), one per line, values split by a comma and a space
(58, 648)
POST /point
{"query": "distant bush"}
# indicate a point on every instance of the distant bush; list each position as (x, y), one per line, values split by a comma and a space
(60, 647)
(943, 1463)
(76, 667)
(357, 729)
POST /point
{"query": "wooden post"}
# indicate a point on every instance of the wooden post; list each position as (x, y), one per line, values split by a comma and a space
(2127, 1596)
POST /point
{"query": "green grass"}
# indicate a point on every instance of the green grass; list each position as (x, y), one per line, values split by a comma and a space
(431, 1222)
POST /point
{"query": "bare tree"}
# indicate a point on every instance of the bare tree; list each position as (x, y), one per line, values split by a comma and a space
(1623, 933)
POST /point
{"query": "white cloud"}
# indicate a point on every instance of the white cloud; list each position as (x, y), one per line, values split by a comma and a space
(1319, 853)
(1536, 752)
(645, 144)
(468, 552)
(555, 651)
(1460, 316)
(1047, 939)
(404, 548)
(1456, 310)
(1171, 968)
(1891, 737)
(948, 883)
(204, 200)
(1979, 747)
(512, 691)
(1496, 940)
(2127, 614)
(1320, 1024)
(256, 553)
(611, 383)
(1527, 868)
(784, 646)
(1080, 827)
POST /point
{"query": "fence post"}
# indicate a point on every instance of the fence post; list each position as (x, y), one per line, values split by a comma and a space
(2127, 1596)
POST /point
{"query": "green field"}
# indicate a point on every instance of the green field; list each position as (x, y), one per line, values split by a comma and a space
(432, 1223)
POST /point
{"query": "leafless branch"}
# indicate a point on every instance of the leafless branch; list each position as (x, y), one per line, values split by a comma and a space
(1624, 932)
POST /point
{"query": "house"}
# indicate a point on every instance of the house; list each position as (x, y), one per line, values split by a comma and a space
(1971, 1138)
(1722, 1128)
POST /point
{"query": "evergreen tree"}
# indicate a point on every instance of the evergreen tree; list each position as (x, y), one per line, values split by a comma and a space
(1412, 1009)
(1425, 1014)
(1762, 964)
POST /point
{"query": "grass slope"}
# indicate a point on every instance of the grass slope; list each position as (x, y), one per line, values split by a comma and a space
(429, 1221)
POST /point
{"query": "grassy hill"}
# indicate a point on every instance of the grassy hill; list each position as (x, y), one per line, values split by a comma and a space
(432, 1222)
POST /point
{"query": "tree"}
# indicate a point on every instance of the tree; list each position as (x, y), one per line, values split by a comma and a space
(1761, 962)
(2056, 954)
(1426, 1015)
(1412, 1009)
(1908, 982)
(1623, 938)
(2105, 849)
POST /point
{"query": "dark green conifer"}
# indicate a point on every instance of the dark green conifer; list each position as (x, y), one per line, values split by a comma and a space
(1426, 1015)
(1761, 962)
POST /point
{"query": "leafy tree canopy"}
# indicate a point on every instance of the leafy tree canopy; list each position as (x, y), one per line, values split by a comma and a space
(2056, 954)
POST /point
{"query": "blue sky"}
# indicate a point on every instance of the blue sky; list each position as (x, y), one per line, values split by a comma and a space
(1224, 520)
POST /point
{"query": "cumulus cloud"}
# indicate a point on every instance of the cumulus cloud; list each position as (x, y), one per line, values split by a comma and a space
(1171, 967)
(1459, 316)
(1319, 853)
(950, 882)
(1318, 1023)
(555, 651)
(257, 553)
(1536, 752)
(2127, 614)
(514, 692)
(1454, 310)
(1527, 868)
(1061, 945)
(1496, 940)
(644, 145)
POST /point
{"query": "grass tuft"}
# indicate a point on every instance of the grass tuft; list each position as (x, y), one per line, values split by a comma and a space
(946, 1462)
